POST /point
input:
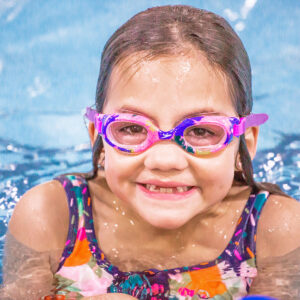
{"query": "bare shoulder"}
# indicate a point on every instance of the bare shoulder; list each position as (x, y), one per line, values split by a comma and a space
(278, 227)
(40, 218)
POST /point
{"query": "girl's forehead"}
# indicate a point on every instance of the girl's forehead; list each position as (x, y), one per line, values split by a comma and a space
(170, 84)
(177, 68)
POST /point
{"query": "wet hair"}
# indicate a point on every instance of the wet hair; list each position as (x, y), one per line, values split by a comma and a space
(172, 30)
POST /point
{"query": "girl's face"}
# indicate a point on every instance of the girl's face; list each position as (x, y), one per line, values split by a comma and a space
(168, 90)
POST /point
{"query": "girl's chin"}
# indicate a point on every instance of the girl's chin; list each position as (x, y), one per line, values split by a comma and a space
(161, 221)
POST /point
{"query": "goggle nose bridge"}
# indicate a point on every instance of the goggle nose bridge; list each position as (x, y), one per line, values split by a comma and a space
(166, 135)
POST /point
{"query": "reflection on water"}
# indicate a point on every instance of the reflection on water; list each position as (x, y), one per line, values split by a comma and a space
(28, 277)
(281, 165)
(279, 277)
(23, 167)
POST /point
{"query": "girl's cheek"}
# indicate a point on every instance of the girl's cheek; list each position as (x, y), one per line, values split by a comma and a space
(214, 166)
(118, 165)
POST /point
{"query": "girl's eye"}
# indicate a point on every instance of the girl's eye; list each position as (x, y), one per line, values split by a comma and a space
(201, 132)
(127, 133)
(204, 135)
(132, 129)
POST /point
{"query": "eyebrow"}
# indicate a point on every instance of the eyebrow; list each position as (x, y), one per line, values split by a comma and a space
(206, 111)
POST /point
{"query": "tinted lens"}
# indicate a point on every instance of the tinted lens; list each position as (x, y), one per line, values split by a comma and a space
(127, 133)
(204, 135)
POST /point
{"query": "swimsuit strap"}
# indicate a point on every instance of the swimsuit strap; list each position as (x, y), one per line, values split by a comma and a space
(254, 215)
(74, 187)
(243, 243)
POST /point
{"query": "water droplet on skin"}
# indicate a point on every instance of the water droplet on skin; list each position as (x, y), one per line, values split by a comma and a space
(221, 231)
(278, 203)
(225, 236)
(154, 79)
(123, 213)
(271, 229)
(286, 225)
(178, 235)
(193, 245)
(131, 222)
(205, 223)
(185, 67)
(116, 225)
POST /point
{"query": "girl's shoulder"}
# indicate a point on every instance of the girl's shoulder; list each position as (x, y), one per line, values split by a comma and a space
(41, 217)
(278, 227)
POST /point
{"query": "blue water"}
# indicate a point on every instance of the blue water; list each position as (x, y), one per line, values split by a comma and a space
(49, 60)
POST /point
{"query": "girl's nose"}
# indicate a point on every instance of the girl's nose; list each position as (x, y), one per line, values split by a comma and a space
(165, 156)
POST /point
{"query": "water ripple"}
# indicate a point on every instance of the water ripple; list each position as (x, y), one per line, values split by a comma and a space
(24, 166)
(281, 165)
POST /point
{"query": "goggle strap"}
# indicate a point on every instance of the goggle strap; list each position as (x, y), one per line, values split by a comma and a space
(249, 121)
(94, 117)
(90, 114)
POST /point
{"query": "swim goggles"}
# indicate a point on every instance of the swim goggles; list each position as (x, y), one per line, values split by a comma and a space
(199, 135)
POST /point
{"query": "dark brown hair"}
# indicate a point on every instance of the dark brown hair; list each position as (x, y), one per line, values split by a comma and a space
(168, 31)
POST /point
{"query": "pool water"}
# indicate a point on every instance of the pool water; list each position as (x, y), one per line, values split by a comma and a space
(49, 60)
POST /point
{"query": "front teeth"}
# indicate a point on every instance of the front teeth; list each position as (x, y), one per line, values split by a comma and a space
(154, 188)
(150, 187)
(182, 189)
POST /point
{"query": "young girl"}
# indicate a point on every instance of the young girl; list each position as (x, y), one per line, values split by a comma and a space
(171, 209)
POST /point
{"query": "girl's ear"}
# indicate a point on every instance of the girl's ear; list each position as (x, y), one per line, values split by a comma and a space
(92, 133)
(251, 137)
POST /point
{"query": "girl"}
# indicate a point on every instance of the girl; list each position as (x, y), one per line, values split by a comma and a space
(171, 209)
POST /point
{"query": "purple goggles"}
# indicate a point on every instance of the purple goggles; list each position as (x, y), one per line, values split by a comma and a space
(197, 135)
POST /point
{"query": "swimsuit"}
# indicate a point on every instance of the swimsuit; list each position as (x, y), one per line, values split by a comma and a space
(85, 271)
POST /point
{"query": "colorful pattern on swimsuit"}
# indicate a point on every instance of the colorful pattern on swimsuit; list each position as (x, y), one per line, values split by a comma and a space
(85, 271)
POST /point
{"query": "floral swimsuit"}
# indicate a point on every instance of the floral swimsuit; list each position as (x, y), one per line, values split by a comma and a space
(85, 271)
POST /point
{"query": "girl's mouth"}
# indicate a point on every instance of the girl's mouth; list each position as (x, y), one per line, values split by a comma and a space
(167, 190)
(166, 193)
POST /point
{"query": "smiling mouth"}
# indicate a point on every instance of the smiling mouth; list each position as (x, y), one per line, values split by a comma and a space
(167, 190)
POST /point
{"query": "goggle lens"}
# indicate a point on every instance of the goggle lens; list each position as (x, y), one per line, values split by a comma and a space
(127, 133)
(204, 135)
